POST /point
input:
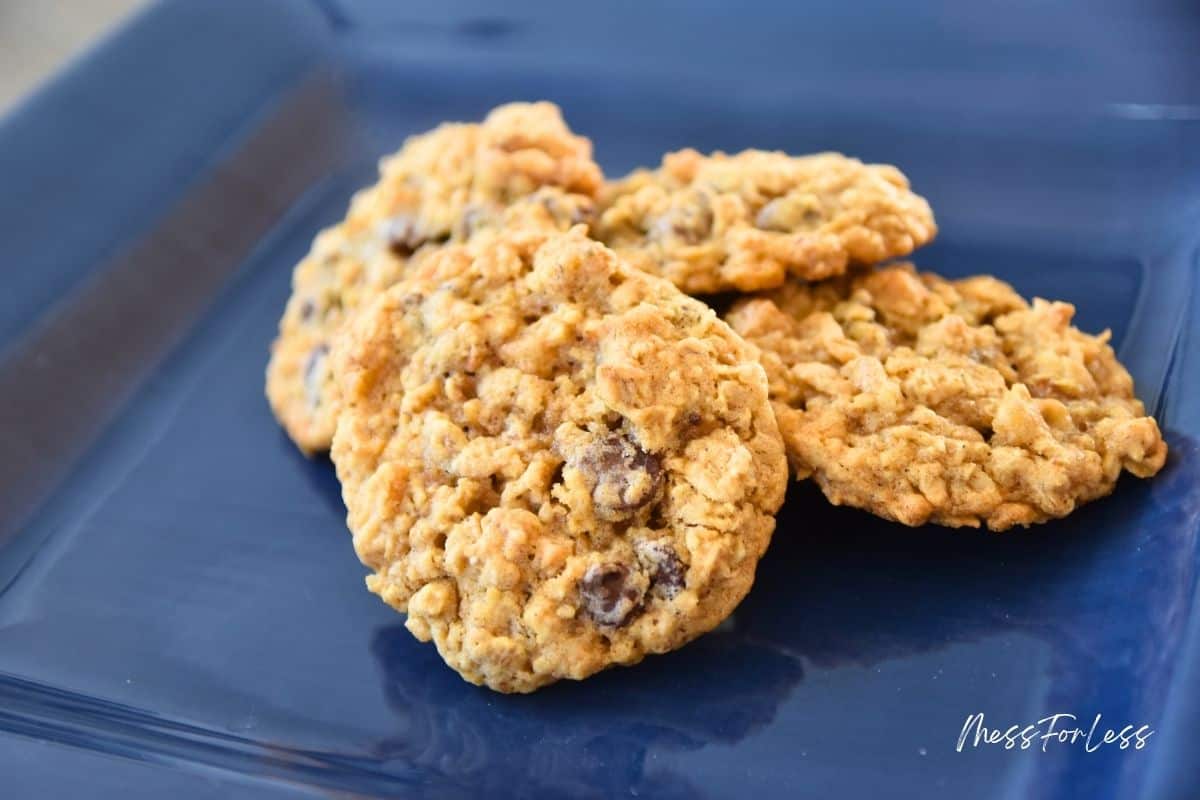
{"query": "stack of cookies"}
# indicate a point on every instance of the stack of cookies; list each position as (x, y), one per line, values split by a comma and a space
(555, 459)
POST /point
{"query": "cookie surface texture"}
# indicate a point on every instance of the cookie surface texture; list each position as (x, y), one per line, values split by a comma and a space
(747, 221)
(520, 165)
(553, 463)
(956, 402)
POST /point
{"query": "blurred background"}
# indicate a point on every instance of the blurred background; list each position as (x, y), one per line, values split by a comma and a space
(1058, 147)
(38, 36)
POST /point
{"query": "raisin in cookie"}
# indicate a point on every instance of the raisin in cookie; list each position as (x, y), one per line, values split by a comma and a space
(748, 221)
(552, 462)
(955, 402)
(522, 165)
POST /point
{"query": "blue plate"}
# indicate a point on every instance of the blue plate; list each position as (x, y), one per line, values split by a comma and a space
(181, 613)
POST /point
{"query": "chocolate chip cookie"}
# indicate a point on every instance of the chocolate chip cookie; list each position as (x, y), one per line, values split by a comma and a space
(552, 462)
(522, 165)
(748, 221)
(922, 399)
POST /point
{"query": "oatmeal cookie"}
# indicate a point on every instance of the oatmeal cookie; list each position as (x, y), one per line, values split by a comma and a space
(553, 463)
(748, 221)
(921, 399)
(522, 165)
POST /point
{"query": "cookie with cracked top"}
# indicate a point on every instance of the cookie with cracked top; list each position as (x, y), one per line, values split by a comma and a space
(749, 221)
(922, 399)
(552, 462)
(520, 166)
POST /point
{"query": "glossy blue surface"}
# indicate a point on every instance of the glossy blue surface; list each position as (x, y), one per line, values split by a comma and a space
(181, 613)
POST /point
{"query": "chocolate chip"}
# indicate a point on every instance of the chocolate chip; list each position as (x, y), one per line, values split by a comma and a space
(584, 212)
(404, 235)
(667, 573)
(610, 594)
(693, 418)
(474, 218)
(314, 373)
(691, 225)
(580, 210)
(1041, 388)
(789, 214)
(691, 221)
(550, 203)
(622, 476)
(307, 309)
(766, 218)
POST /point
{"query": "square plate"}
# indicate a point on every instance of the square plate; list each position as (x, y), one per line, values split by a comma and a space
(180, 609)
